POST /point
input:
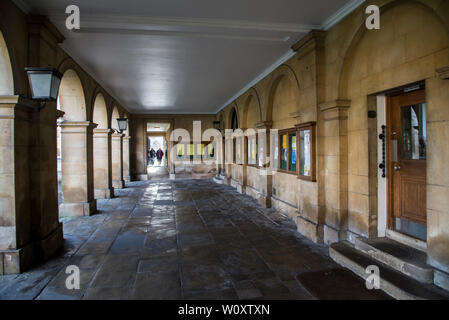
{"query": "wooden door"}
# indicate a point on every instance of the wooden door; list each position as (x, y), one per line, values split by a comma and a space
(407, 157)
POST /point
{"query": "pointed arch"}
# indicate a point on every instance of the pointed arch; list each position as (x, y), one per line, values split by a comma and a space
(284, 72)
(100, 112)
(71, 98)
(6, 75)
(252, 99)
(115, 115)
(234, 121)
(351, 50)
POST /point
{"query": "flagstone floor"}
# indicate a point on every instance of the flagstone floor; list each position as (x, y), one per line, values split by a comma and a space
(183, 239)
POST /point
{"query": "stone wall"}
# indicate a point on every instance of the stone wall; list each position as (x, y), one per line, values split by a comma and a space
(331, 80)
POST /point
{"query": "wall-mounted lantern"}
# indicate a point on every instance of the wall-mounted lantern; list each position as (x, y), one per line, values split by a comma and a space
(217, 125)
(44, 84)
(122, 124)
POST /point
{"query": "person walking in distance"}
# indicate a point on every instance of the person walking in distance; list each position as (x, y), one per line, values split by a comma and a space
(159, 155)
(152, 156)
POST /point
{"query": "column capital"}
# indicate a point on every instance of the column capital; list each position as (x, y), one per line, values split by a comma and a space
(333, 105)
(264, 125)
(127, 138)
(8, 105)
(116, 135)
(67, 123)
(102, 131)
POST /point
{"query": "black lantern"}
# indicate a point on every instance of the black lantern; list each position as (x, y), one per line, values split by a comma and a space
(44, 84)
(217, 125)
(122, 124)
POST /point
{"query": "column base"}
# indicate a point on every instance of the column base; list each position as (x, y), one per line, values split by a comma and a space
(118, 184)
(16, 261)
(50, 245)
(240, 188)
(19, 260)
(79, 209)
(104, 193)
(332, 235)
(264, 201)
(128, 179)
(172, 176)
(309, 229)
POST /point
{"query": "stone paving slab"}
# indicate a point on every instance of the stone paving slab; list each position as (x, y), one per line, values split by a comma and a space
(184, 239)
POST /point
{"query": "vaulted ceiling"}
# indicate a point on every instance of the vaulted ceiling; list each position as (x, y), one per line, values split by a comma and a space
(179, 56)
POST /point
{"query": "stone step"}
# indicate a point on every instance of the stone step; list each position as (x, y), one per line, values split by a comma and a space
(405, 259)
(394, 283)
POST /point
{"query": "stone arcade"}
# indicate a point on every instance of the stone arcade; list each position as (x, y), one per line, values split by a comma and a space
(362, 121)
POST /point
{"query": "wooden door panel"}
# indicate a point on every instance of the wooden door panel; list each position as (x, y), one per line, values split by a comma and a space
(413, 199)
(406, 155)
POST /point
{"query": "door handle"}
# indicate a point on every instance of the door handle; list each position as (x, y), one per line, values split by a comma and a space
(397, 167)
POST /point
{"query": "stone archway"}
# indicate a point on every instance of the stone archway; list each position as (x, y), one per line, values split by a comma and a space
(75, 169)
(102, 149)
(286, 78)
(6, 77)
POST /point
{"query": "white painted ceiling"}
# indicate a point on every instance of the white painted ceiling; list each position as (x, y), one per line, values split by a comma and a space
(179, 56)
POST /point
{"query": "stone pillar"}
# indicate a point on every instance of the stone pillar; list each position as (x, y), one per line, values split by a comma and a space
(103, 164)
(29, 226)
(77, 169)
(333, 151)
(265, 177)
(117, 161)
(126, 173)
(241, 187)
(171, 160)
(229, 153)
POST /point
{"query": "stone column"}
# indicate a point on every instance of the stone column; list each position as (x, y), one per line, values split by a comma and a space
(29, 226)
(126, 173)
(333, 151)
(172, 168)
(117, 161)
(77, 169)
(265, 178)
(229, 153)
(241, 187)
(103, 164)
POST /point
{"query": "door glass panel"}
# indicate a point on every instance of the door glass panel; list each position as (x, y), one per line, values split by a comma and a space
(413, 120)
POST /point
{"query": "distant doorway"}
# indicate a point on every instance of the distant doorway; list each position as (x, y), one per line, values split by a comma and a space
(157, 151)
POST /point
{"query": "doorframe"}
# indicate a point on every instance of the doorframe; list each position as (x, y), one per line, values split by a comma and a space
(384, 215)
